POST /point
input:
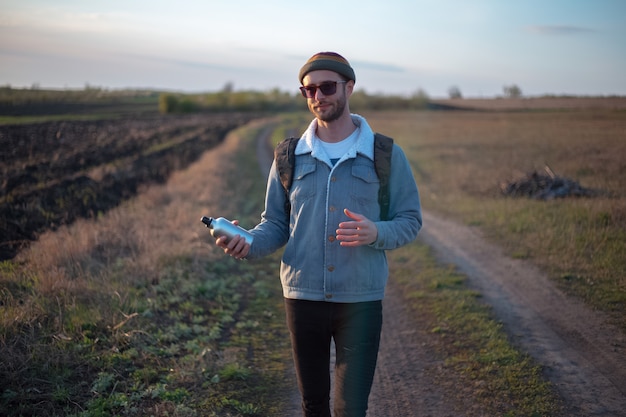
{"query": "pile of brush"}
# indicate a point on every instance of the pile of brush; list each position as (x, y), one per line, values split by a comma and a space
(545, 186)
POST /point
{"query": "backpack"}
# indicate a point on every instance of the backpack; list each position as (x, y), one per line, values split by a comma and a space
(284, 153)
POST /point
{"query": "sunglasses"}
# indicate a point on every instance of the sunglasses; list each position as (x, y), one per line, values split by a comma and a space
(328, 88)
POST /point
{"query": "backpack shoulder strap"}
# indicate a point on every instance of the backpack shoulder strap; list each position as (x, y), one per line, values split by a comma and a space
(383, 146)
(285, 156)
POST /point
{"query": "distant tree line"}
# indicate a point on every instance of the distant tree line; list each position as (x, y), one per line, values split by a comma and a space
(509, 91)
(89, 94)
(37, 100)
(276, 100)
(228, 100)
(512, 91)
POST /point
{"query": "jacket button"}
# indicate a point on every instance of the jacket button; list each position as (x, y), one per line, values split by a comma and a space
(331, 268)
(333, 179)
(331, 238)
(328, 296)
(331, 208)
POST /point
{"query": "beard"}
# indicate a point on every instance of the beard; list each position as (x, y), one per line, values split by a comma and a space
(334, 112)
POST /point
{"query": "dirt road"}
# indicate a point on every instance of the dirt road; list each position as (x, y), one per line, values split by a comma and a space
(583, 355)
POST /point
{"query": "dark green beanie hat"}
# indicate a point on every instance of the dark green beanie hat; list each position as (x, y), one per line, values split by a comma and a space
(328, 61)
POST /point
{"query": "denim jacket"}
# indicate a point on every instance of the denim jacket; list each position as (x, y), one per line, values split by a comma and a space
(314, 266)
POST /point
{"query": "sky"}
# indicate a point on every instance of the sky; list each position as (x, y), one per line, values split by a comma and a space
(572, 47)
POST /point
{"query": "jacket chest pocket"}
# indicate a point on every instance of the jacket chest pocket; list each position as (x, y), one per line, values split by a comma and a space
(304, 183)
(365, 184)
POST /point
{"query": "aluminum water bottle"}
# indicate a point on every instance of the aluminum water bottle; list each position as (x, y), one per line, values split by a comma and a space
(223, 227)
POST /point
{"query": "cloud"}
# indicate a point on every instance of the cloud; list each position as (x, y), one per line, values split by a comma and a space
(559, 30)
(181, 62)
(377, 66)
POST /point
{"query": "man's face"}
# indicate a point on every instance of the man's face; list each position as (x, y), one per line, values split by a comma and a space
(327, 108)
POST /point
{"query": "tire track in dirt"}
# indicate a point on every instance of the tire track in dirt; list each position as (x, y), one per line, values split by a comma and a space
(584, 356)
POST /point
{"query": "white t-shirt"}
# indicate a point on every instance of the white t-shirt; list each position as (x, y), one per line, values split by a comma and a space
(335, 150)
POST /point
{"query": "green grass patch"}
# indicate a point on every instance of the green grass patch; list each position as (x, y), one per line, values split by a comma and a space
(291, 125)
(24, 120)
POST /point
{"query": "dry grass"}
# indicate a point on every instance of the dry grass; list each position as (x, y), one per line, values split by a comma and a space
(476, 151)
(461, 158)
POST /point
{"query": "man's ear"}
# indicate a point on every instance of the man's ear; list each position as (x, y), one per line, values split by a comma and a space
(349, 87)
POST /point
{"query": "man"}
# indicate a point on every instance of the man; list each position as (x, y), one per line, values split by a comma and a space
(334, 268)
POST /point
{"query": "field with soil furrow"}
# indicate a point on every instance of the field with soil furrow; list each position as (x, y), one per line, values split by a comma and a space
(55, 172)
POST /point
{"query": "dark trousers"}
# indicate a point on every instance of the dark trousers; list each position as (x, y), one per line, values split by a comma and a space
(355, 328)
